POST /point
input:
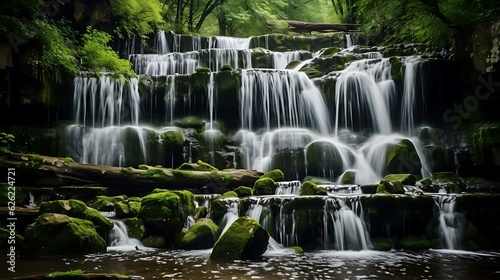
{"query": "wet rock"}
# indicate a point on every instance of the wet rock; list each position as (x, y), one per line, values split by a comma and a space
(244, 239)
(264, 186)
(276, 174)
(78, 209)
(405, 179)
(402, 157)
(59, 234)
(449, 181)
(390, 187)
(135, 227)
(243, 191)
(201, 235)
(154, 241)
(310, 188)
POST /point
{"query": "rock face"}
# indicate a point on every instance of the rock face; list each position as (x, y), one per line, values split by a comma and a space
(201, 235)
(59, 234)
(78, 209)
(164, 213)
(244, 239)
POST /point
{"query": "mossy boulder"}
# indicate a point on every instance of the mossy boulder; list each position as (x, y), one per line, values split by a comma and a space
(229, 194)
(264, 186)
(201, 235)
(310, 188)
(414, 243)
(244, 239)
(448, 180)
(391, 187)
(243, 191)
(135, 227)
(77, 209)
(59, 234)
(405, 179)
(348, 177)
(402, 157)
(486, 146)
(106, 203)
(164, 213)
(200, 212)
(190, 122)
(275, 174)
(323, 155)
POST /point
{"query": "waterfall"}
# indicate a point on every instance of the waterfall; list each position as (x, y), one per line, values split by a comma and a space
(231, 214)
(161, 42)
(451, 223)
(119, 240)
(288, 188)
(410, 102)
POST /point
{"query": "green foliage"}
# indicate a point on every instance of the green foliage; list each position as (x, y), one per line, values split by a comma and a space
(432, 22)
(137, 17)
(97, 55)
(13, 11)
(55, 61)
(5, 141)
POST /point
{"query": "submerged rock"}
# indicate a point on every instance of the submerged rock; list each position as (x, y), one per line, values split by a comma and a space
(59, 234)
(201, 235)
(244, 239)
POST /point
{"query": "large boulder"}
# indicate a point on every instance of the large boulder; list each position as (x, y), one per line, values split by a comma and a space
(164, 213)
(243, 191)
(244, 239)
(201, 235)
(77, 209)
(402, 157)
(59, 234)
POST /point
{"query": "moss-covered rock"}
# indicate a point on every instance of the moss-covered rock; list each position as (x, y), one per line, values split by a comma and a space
(201, 235)
(190, 122)
(391, 187)
(200, 212)
(310, 188)
(78, 209)
(59, 234)
(164, 213)
(135, 228)
(381, 244)
(264, 186)
(401, 158)
(405, 179)
(486, 145)
(348, 177)
(244, 239)
(448, 180)
(106, 203)
(275, 174)
(323, 155)
(229, 194)
(414, 243)
(243, 191)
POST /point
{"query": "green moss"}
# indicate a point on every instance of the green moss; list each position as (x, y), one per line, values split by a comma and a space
(243, 191)
(158, 174)
(381, 244)
(244, 239)
(484, 139)
(312, 72)
(414, 243)
(135, 227)
(185, 174)
(296, 249)
(276, 174)
(127, 171)
(172, 138)
(203, 70)
(394, 187)
(402, 157)
(200, 212)
(310, 188)
(171, 207)
(68, 160)
(190, 122)
(78, 209)
(63, 275)
(451, 182)
(59, 234)
(330, 51)
(229, 194)
(264, 186)
(103, 202)
(201, 235)
(198, 166)
(143, 166)
(293, 64)
(405, 179)
(226, 67)
(348, 177)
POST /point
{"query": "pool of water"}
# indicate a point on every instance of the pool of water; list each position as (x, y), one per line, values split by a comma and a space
(181, 264)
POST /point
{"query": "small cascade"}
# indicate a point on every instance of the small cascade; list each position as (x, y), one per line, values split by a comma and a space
(288, 188)
(161, 42)
(341, 189)
(223, 42)
(350, 38)
(411, 110)
(189, 222)
(349, 230)
(451, 223)
(231, 214)
(118, 239)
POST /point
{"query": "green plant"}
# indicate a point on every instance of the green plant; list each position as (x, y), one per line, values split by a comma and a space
(5, 141)
(64, 275)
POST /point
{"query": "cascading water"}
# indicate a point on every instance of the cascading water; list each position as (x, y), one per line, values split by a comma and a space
(119, 240)
(451, 223)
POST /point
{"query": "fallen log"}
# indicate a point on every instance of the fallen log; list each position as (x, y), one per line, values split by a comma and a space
(32, 170)
(308, 27)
